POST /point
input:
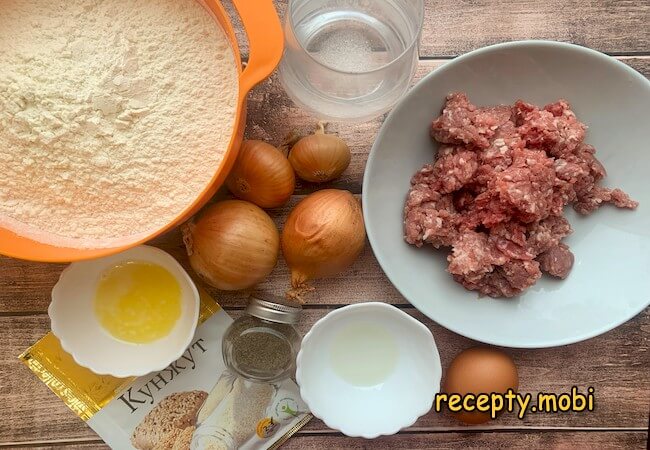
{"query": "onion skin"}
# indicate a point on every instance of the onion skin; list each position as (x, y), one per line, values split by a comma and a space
(233, 245)
(323, 236)
(320, 157)
(262, 175)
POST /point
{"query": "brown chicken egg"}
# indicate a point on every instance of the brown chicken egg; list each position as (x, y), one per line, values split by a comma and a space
(480, 370)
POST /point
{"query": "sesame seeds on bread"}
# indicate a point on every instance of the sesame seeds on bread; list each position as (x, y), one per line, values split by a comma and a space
(184, 439)
(165, 422)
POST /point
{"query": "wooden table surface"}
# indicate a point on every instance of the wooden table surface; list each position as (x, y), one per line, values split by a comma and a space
(616, 364)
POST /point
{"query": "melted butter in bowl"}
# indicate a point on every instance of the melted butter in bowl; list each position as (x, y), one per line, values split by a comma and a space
(127, 314)
(138, 302)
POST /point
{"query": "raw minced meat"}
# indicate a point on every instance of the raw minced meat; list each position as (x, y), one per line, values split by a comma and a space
(557, 261)
(508, 280)
(452, 172)
(473, 254)
(463, 123)
(496, 191)
(554, 129)
(430, 216)
(547, 233)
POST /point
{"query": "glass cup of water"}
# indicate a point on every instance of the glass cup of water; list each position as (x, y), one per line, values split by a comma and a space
(350, 60)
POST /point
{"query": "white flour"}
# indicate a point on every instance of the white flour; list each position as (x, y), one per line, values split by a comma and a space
(113, 115)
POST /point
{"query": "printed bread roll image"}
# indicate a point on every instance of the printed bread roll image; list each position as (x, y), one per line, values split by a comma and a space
(166, 426)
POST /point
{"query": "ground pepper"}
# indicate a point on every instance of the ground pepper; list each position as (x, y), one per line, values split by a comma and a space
(263, 348)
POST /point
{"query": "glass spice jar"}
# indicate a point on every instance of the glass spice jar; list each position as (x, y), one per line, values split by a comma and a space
(262, 344)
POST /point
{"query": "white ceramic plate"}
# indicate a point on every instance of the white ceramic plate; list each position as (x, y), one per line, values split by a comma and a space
(610, 281)
(370, 411)
(74, 322)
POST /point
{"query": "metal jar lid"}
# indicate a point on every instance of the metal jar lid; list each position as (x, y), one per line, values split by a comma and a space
(273, 308)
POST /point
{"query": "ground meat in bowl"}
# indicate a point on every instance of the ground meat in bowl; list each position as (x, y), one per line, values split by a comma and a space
(496, 190)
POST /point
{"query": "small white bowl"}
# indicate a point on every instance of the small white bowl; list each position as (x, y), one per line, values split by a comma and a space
(384, 409)
(74, 322)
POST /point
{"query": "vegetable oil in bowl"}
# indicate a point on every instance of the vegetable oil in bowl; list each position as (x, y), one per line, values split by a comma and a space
(364, 354)
(138, 302)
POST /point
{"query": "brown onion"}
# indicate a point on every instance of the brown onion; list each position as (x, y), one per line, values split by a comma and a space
(320, 157)
(262, 175)
(323, 236)
(233, 245)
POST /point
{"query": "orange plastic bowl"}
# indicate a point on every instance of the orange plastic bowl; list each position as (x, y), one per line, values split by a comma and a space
(266, 44)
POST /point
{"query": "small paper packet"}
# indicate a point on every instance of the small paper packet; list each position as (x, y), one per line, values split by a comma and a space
(194, 403)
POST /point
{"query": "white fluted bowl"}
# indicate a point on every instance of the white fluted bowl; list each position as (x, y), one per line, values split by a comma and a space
(75, 324)
(383, 409)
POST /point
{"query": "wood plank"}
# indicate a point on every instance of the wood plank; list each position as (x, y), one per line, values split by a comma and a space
(528, 440)
(448, 440)
(25, 286)
(615, 364)
(66, 445)
(453, 27)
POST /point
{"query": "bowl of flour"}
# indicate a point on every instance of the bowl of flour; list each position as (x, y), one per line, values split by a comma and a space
(118, 118)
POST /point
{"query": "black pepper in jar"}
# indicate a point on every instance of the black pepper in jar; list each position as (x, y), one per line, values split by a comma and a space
(262, 344)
